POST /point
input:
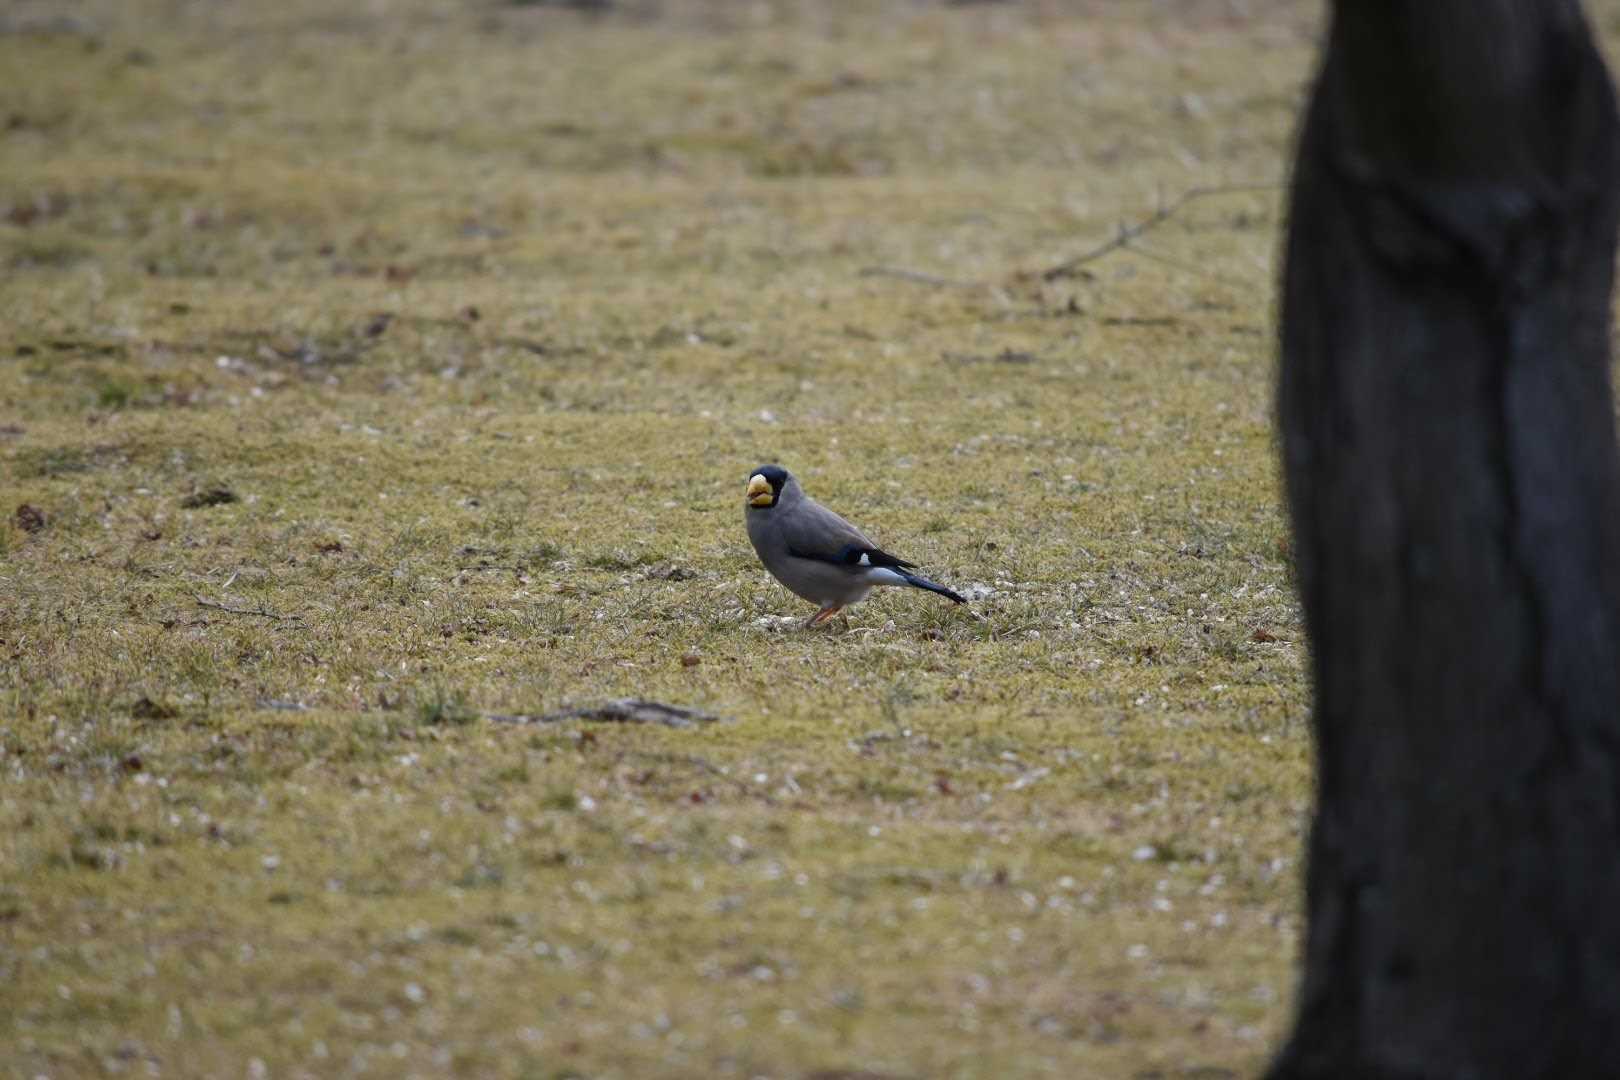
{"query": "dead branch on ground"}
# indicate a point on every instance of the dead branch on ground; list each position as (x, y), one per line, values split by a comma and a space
(1128, 233)
(263, 613)
(620, 711)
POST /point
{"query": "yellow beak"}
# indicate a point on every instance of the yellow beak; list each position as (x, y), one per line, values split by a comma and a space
(759, 491)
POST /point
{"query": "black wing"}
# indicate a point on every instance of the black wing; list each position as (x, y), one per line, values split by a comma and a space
(866, 555)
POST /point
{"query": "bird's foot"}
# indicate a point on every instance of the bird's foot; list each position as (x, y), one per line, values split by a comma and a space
(822, 616)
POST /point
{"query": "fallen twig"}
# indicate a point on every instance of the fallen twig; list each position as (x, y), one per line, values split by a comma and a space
(1121, 240)
(261, 612)
(917, 277)
(1127, 233)
(618, 711)
(1185, 267)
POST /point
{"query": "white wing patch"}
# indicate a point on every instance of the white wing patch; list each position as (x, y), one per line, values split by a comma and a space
(866, 560)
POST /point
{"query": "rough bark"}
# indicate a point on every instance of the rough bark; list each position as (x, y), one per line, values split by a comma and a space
(1452, 476)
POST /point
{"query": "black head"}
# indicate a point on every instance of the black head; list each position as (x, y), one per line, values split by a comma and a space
(765, 486)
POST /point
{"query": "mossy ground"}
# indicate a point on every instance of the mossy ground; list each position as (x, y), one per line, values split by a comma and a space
(483, 312)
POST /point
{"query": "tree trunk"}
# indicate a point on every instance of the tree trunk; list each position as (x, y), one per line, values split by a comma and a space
(1449, 447)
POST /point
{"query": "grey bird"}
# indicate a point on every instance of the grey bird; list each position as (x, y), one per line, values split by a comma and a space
(814, 552)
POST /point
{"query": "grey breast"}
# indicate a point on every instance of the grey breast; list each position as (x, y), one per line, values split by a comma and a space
(807, 526)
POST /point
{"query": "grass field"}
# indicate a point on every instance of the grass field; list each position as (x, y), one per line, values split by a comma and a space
(368, 371)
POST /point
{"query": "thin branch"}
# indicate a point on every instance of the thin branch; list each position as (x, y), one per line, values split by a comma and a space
(1121, 241)
(261, 612)
(621, 710)
(1127, 233)
(1184, 267)
(917, 277)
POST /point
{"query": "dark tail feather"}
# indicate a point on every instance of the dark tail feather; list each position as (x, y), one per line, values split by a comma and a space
(932, 586)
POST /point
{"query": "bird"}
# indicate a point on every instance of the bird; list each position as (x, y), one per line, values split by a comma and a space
(817, 554)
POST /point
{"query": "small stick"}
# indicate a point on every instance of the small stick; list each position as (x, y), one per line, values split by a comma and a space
(1122, 240)
(620, 710)
(917, 277)
(1164, 213)
(1184, 267)
(246, 611)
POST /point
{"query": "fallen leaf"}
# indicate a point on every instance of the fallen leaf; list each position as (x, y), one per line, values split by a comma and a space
(30, 519)
(212, 497)
(147, 709)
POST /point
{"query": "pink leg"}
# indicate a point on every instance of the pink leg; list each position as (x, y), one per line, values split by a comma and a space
(823, 615)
